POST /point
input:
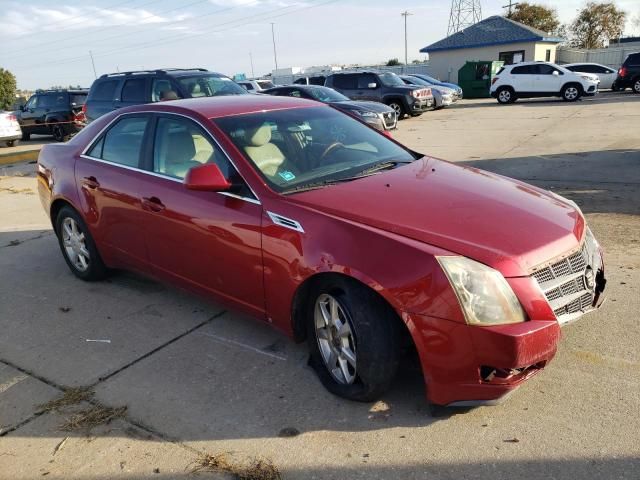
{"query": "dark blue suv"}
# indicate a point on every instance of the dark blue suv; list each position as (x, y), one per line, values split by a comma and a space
(116, 90)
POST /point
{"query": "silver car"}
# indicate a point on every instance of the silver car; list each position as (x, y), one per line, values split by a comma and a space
(10, 131)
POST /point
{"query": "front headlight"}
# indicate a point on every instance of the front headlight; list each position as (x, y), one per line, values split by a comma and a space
(367, 114)
(484, 295)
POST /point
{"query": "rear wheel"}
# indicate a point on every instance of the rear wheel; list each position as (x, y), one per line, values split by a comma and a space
(505, 95)
(398, 108)
(77, 245)
(353, 340)
(571, 92)
(12, 143)
(59, 134)
(636, 85)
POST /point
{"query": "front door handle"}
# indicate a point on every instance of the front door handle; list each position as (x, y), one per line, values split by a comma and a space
(90, 182)
(152, 204)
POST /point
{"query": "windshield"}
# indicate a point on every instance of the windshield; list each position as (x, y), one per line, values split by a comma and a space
(390, 79)
(418, 81)
(324, 94)
(210, 86)
(297, 148)
(264, 84)
(429, 79)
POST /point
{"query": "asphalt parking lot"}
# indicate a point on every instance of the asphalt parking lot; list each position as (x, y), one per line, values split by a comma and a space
(196, 379)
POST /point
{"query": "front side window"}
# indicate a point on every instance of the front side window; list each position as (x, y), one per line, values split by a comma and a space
(210, 86)
(297, 148)
(32, 103)
(366, 79)
(122, 144)
(162, 90)
(134, 91)
(544, 69)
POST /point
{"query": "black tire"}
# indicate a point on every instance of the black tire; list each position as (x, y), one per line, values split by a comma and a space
(26, 136)
(398, 107)
(636, 86)
(95, 269)
(505, 95)
(571, 92)
(12, 143)
(59, 134)
(376, 339)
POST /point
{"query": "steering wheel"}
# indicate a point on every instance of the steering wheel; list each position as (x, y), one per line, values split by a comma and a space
(331, 148)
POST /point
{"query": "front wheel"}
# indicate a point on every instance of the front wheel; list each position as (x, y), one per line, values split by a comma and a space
(571, 93)
(12, 143)
(77, 245)
(353, 340)
(398, 108)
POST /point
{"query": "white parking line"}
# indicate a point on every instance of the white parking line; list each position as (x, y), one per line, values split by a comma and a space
(242, 345)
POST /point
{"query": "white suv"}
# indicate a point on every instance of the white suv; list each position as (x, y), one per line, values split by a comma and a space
(541, 79)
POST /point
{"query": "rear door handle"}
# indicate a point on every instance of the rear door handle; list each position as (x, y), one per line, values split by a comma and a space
(152, 204)
(90, 182)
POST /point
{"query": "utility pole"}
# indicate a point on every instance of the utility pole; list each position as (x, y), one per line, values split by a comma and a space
(405, 14)
(273, 37)
(94, 65)
(510, 6)
(253, 75)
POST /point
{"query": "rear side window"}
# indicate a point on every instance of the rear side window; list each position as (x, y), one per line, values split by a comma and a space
(122, 143)
(104, 90)
(347, 82)
(633, 59)
(133, 90)
(524, 70)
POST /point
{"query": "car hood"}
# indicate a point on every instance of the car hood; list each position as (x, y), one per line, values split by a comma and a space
(443, 90)
(362, 105)
(506, 224)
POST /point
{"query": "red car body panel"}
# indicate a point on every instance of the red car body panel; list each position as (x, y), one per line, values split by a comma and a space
(385, 230)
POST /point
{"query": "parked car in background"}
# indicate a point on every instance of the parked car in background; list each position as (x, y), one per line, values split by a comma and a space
(376, 114)
(541, 79)
(255, 86)
(10, 132)
(607, 75)
(442, 96)
(313, 80)
(116, 90)
(456, 89)
(53, 112)
(384, 87)
(629, 74)
(308, 220)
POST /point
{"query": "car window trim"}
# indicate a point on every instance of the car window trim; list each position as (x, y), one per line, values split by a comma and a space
(152, 119)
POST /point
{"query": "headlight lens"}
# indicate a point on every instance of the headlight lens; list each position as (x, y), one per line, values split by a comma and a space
(484, 295)
(367, 114)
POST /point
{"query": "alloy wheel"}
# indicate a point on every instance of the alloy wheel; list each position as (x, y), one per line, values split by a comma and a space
(636, 86)
(75, 246)
(335, 339)
(504, 96)
(398, 109)
(571, 93)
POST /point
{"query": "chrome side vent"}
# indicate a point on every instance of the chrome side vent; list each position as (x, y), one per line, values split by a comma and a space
(285, 222)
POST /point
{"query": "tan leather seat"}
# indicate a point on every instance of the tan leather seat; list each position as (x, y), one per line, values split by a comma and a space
(264, 154)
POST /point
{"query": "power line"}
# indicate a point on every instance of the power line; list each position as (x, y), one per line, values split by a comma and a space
(66, 20)
(19, 52)
(243, 21)
(510, 6)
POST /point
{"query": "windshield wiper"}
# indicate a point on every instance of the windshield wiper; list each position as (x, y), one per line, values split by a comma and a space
(364, 173)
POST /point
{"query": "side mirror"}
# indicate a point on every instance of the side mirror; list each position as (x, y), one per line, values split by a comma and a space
(372, 85)
(206, 178)
(556, 73)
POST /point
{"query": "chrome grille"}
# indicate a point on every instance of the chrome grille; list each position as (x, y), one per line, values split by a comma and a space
(564, 282)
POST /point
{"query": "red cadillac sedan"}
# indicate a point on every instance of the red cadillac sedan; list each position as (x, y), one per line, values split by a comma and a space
(310, 220)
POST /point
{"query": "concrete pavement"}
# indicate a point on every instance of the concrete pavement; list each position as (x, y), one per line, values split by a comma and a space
(198, 379)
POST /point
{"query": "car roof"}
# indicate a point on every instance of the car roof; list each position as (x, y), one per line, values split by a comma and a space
(173, 72)
(224, 106)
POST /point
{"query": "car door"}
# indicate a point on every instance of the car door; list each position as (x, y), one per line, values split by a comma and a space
(365, 90)
(346, 84)
(204, 241)
(101, 99)
(108, 176)
(547, 79)
(521, 79)
(28, 115)
(606, 75)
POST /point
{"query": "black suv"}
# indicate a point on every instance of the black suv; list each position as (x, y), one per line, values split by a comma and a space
(385, 87)
(52, 112)
(629, 74)
(115, 90)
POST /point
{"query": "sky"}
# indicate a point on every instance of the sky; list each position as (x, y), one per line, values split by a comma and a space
(46, 43)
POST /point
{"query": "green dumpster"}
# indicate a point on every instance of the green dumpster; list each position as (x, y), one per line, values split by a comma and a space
(475, 78)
